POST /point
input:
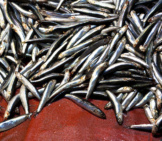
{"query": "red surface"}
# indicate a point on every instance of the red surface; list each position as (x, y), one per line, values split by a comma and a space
(64, 120)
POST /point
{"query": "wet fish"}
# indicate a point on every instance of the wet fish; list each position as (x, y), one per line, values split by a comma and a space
(106, 50)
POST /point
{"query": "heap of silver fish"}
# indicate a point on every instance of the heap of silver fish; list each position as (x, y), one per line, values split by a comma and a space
(98, 49)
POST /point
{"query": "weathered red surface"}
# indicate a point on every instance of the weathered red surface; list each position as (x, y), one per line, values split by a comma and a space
(64, 120)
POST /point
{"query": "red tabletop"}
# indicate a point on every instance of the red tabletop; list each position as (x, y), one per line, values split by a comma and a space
(65, 121)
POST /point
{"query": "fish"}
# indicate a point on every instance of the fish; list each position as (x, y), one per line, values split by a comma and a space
(81, 50)
(86, 105)
(117, 107)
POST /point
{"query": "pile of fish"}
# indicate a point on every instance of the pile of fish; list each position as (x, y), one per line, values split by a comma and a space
(80, 50)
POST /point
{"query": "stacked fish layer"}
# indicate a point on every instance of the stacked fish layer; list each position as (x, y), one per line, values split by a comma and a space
(81, 50)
